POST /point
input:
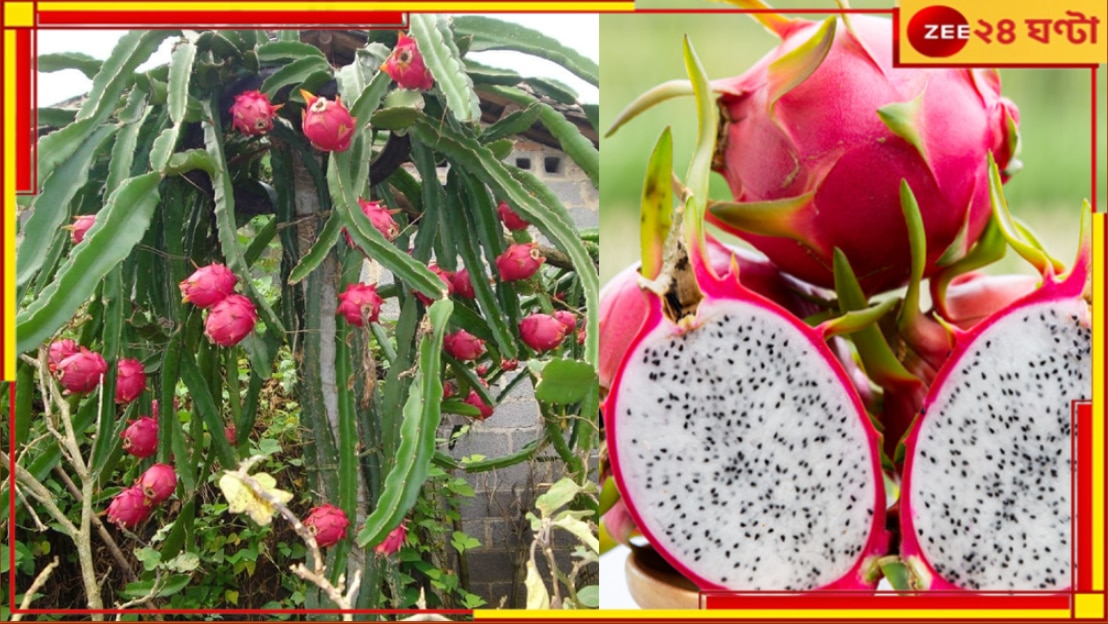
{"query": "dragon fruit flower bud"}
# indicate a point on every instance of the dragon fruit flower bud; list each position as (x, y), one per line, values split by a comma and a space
(328, 524)
(393, 541)
(445, 276)
(128, 509)
(130, 380)
(509, 365)
(519, 262)
(140, 438)
(406, 67)
(80, 226)
(463, 286)
(474, 399)
(509, 218)
(208, 285)
(566, 318)
(381, 218)
(449, 389)
(252, 114)
(358, 303)
(232, 434)
(157, 483)
(82, 371)
(327, 124)
(463, 345)
(542, 332)
(230, 320)
(59, 350)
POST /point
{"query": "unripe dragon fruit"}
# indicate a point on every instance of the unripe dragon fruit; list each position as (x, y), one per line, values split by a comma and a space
(140, 438)
(447, 278)
(541, 332)
(820, 132)
(392, 542)
(519, 261)
(58, 351)
(128, 509)
(327, 125)
(463, 345)
(475, 400)
(80, 227)
(252, 114)
(328, 524)
(381, 218)
(509, 218)
(130, 380)
(230, 320)
(82, 371)
(157, 483)
(208, 285)
(406, 67)
(463, 285)
(360, 303)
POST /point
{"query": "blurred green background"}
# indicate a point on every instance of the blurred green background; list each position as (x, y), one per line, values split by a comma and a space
(640, 51)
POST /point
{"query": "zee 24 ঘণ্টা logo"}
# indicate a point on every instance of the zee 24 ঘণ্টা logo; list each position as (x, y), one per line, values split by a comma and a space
(939, 31)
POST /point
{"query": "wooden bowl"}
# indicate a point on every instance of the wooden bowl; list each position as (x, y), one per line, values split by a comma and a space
(654, 584)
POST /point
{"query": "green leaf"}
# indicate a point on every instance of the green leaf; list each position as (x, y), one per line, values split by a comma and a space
(656, 213)
(396, 118)
(512, 123)
(55, 117)
(565, 381)
(279, 50)
(559, 495)
(310, 261)
(87, 65)
(649, 99)
(579, 529)
(115, 75)
(446, 67)
(204, 404)
(180, 69)
(119, 226)
(537, 595)
(589, 596)
(295, 72)
(493, 34)
(700, 166)
(172, 585)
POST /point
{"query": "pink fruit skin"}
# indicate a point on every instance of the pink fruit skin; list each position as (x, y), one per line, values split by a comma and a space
(252, 114)
(406, 67)
(567, 319)
(140, 438)
(723, 287)
(59, 350)
(130, 380)
(973, 297)
(392, 542)
(230, 320)
(327, 124)
(381, 218)
(128, 509)
(541, 332)
(81, 225)
(328, 523)
(509, 218)
(825, 137)
(232, 435)
(358, 303)
(519, 262)
(509, 365)
(82, 371)
(157, 483)
(208, 285)
(463, 345)
(474, 399)
(447, 278)
(463, 286)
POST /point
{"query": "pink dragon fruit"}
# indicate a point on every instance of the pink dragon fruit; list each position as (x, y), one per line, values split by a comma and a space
(157, 483)
(567, 319)
(208, 285)
(405, 65)
(519, 261)
(392, 542)
(128, 509)
(824, 115)
(541, 332)
(360, 303)
(82, 371)
(80, 227)
(463, 345)
(381, 218)
(509, 218)
(463, 286)
(973, 297)
(475, 400)
(140, 438)
(252, 114)
(328, 524)
(130, 380)
(509, 365)
(230, 320)
(327, 125)
(59, 350)
(447, 278)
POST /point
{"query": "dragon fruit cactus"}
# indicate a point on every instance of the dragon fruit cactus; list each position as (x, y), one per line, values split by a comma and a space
(230, 320)
(140, 438)
(473, 398)
(130, 380)
(447, 278)
(327, 125)
(986, 493)
(81, 372)
(252, 114)
(328, 524)
(157, 483)
(463, 345)
(463, 284)
(406, 67)
(541, 332)
(208, 285)
(360, 303)
(128, 509)
(80, 227)
(381, 218)
(392, 542)
(509, 218)
(519, 261)
(59, 350)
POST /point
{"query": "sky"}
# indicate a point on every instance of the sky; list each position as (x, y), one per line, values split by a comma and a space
(578, 31)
